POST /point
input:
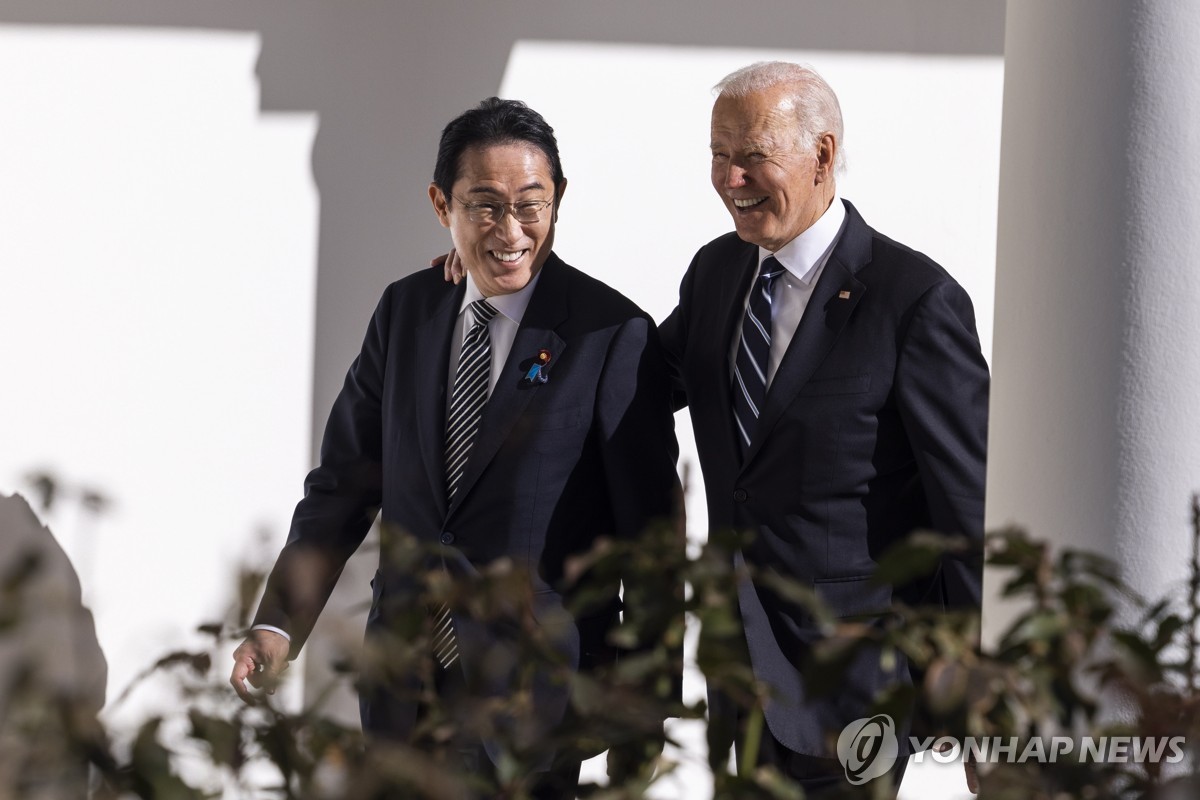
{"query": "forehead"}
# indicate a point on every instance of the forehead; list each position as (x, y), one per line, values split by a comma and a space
(768, 115)
(511, 166)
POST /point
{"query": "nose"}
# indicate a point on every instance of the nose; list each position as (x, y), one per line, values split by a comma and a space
(733, 176)
(508, 228)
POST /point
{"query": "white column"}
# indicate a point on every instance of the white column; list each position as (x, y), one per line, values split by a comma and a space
(1095, 430)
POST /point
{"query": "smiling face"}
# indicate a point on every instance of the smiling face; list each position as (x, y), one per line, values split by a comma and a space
(774, 183)
(503, 256)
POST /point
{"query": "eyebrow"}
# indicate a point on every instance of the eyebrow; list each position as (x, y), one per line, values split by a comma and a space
(490, 191)
(761, 143)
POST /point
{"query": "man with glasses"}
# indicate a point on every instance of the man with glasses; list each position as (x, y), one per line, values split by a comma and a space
(520, 415)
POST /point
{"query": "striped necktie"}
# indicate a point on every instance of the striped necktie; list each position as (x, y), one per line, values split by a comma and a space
(467, 400)
(469, 394)
(753, 354)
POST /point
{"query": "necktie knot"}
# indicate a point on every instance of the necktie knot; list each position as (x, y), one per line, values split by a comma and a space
(769, 270)
(483, 311)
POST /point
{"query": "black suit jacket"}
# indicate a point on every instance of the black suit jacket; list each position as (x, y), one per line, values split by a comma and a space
(591, 452)
(875, 424)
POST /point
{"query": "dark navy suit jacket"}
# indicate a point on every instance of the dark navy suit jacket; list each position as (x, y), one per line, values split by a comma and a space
(875, 424)
(591, 452)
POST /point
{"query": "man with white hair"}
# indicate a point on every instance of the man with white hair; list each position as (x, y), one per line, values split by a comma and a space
(839, 400)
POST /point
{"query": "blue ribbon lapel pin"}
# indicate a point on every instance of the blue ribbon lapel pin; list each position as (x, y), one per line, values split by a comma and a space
(535, 368)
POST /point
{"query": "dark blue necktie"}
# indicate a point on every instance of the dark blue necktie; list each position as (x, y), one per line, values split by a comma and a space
(753, 353)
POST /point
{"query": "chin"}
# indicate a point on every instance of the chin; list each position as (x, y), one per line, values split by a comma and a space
(512, 281)
(748, 234)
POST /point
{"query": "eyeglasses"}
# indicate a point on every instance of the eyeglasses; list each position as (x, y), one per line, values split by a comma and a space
(525, 211)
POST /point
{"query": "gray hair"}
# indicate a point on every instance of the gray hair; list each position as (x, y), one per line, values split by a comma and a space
(817, 108)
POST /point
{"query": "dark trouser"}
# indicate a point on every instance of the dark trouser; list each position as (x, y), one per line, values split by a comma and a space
(559, 783)
(820, 777)
(825, 777)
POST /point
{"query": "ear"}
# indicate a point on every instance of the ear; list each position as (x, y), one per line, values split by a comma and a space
(826, 156)
(558, 196)
(441, 206)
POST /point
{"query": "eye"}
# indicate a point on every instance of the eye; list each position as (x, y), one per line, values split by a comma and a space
(719, 156)
(755, 156)
(485, 212)
(529, 211)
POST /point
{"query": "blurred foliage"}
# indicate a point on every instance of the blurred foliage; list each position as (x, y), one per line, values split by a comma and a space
(1084, 655)
(50, 492)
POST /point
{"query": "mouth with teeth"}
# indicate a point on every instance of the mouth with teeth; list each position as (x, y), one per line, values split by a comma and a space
(507, 257)
(748, 202)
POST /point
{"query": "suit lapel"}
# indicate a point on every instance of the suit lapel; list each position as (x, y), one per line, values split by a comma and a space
(834, 297)
(548, 308)
(432, 346)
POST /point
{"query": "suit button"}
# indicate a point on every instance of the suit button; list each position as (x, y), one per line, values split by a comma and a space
(740, 495)
(447, 537)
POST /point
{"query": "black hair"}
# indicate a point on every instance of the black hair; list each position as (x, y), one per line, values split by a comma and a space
(492, 122)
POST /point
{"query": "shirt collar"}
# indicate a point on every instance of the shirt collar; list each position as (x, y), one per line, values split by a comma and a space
(804, 254)
(510, 305)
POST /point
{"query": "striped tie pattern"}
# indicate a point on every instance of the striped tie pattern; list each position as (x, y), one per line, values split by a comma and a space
(467, 399)
(753, 353)
(469, 394)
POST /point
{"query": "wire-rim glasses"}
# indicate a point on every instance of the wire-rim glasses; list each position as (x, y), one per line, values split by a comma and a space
(523, 211)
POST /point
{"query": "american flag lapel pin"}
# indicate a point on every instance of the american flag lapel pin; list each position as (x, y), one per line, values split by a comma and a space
(843, 295)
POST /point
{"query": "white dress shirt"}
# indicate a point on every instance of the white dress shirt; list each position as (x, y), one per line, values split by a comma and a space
(803, 260)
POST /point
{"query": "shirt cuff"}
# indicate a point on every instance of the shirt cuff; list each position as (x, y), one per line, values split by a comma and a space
(272, 629)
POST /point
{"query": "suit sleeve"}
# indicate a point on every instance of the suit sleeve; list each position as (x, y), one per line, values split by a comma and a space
(341, 497)
(942, 389)
(637, 429)
(673, 334)
(639, 453)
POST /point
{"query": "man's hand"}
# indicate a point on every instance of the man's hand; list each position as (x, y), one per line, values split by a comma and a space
(451, 265)
(261, 659)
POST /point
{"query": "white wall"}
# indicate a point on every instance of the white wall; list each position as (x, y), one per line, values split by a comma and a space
(158, 261)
